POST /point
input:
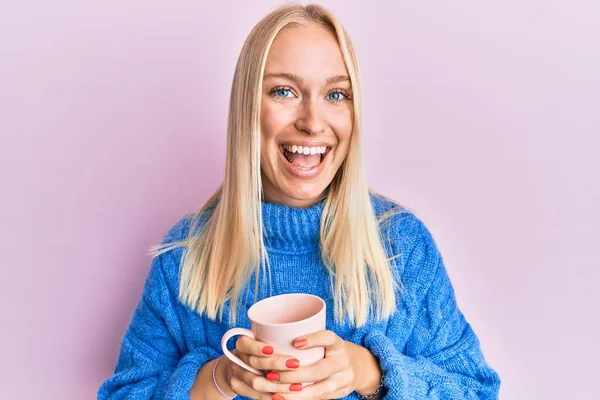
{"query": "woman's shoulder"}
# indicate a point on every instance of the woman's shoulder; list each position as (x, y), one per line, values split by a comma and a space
(169, 254)
(192, 221)
(397, 222)
(409, 241)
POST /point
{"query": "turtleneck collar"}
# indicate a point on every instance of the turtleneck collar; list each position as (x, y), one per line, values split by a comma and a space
(291, 230)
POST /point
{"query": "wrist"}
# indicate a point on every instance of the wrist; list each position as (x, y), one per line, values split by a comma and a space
(222, 372)
(369, 379)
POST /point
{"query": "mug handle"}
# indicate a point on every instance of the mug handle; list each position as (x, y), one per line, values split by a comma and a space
(228, 335)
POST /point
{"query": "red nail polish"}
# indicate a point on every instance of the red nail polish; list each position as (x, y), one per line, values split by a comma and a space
(268, 350)
(298, 343)
(277, 397)
(292, 363)
(273, 376)
(296, 387)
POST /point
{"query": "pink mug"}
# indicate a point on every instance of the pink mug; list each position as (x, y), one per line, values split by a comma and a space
(278, 321)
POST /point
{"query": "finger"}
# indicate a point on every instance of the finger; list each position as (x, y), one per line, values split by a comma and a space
(327, 339)
(276, 362)
(254, 347)
(321, 390)
(242, 389)
(340, 393)
(344, 382)
(260, 355)
(318, 371)
(318, 390)
(260, 384)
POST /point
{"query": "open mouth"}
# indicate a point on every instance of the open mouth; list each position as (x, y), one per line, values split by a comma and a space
(304, 157)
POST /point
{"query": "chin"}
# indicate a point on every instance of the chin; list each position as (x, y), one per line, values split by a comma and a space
(305, 194)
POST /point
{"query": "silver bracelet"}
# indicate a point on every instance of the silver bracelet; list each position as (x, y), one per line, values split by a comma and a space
(375, 393)
(215, 381)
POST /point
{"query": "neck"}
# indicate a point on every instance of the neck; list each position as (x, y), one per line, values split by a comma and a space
(289, 229)
(269, 195)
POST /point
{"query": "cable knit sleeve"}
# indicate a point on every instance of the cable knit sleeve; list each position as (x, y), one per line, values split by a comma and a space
(154, 362)
(441, 358)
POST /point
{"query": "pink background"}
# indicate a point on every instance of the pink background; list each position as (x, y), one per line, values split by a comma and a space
(485, 118)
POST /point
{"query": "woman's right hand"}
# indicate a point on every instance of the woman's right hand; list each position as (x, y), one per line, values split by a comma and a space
(260, 356)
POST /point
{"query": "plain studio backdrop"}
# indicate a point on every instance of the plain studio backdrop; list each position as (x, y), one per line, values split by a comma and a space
(482, 117)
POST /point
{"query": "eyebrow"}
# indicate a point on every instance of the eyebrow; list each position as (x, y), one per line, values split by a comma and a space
(297, 79)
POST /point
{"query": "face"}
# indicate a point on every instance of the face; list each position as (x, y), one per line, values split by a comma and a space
(306, 116)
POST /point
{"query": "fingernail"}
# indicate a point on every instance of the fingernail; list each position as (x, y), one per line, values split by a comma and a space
(292, 363)
(296, 387)
(277, 397)
(298, 343)
(273, 376)
(268, 350)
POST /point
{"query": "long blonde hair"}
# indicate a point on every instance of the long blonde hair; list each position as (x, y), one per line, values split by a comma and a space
(221, 255)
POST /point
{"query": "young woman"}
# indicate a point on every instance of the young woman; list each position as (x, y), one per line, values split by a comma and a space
(295, 214)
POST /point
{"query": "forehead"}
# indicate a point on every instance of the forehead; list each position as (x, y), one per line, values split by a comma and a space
(311, 52)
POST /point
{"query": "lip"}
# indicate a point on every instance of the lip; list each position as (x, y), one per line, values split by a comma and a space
(301, 173)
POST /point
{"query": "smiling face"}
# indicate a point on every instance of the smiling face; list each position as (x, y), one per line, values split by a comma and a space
(306, 115)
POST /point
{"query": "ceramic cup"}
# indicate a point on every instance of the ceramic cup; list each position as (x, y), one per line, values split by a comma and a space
(278, 321)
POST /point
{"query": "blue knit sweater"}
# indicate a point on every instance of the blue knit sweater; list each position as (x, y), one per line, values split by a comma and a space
(427, 349)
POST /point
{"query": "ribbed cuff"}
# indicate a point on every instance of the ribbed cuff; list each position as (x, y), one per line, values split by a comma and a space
(184, 376)
(399, 369)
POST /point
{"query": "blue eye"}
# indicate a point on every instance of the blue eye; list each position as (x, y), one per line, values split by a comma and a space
(340, 96)
(281, 92)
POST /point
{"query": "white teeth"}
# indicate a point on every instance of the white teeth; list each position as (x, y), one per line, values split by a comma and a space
(305, 149)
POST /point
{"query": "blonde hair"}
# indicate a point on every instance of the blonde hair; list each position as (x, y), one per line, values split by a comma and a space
(221, 255)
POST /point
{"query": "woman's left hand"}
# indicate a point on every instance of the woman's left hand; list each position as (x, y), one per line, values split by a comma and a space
(335, 376)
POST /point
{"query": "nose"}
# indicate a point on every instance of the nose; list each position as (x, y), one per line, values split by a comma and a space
(310, 119)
